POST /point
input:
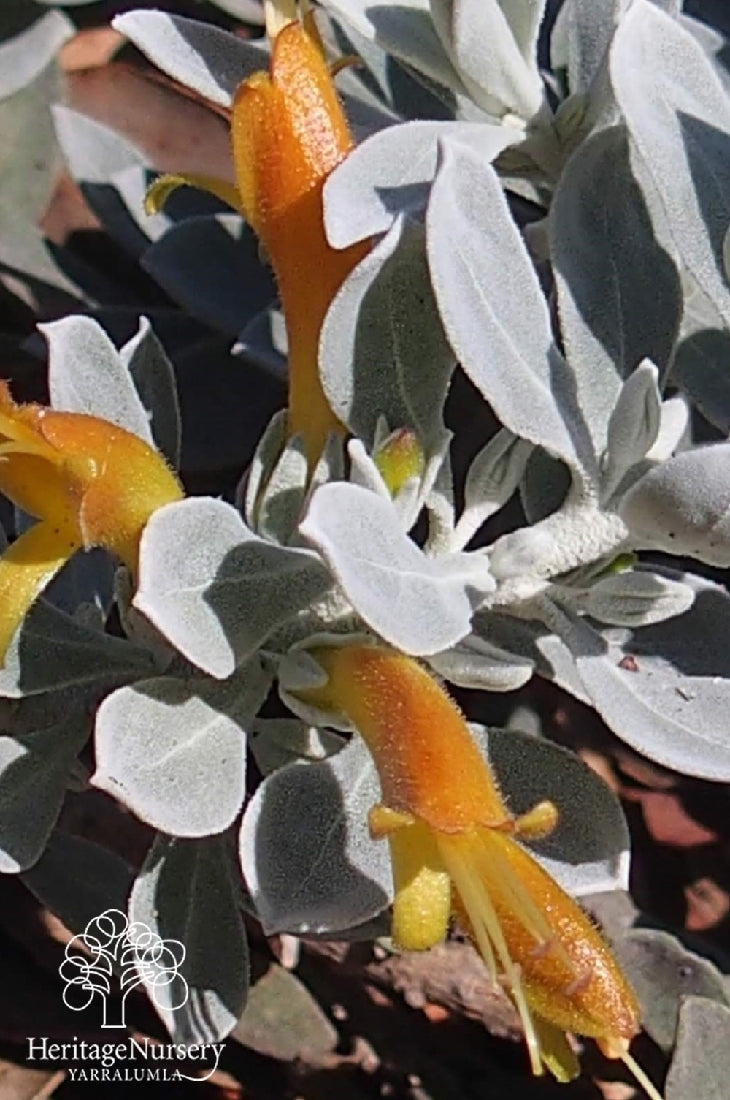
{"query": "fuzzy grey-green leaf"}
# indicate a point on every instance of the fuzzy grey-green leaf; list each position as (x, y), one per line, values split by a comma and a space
(187, 890)
(215, 589)
(678, 116)
(306, 852)
(492, 307)
(175, 751)
(34, 773)
(383, 351)
(419, 604)
(86, 374)
(701, 1063)
(198, 55)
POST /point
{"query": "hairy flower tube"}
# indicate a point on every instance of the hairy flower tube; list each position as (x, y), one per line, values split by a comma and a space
(454, 851)
(289, 132)
(88, 482)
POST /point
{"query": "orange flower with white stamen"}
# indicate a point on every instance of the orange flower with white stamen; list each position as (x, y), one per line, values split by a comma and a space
(454, 850)
(88, 482)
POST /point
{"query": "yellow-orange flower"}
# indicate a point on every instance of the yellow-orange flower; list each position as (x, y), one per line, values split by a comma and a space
(289, 132)
(89, 482)
(453, 850)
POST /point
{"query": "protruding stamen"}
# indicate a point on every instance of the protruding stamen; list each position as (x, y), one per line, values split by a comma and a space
(489, 935)
(382, 821)
(640, 1076)
(538, 822)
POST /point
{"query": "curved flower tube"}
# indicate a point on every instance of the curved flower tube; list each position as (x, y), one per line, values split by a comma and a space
(89, 482)
(289, 132)
(454, 850)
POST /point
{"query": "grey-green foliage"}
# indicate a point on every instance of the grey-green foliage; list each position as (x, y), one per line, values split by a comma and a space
(700, 1063)
(187, 890)
(684, 997)
(29, 84)
(577, 344)
(665, 975)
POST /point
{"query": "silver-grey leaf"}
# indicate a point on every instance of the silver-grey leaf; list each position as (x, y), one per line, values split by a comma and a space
(491, 305)
(678, 116)
(619, 295)
(664, 689)
(637, 598)
(86, 375)
(390, 174)
(198, 55)
(34, 774)
(421, 605)
(215, 589)
(188, 890)
(306, 852)
(174, 751)
(477, 664)
(154, 379)
(24, 56)
(701, 1062)
(664, 972)
(382, 350)
(683, 505)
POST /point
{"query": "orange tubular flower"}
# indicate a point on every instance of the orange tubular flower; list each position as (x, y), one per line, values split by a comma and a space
(453, 849)
(89, 483)
(289, 132)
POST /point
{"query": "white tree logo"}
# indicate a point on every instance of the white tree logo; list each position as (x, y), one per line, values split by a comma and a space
(110, 944)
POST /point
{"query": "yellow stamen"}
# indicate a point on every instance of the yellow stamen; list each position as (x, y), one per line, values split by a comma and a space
(538, 822)
(488, 932)
(382, 821)
(161, 188)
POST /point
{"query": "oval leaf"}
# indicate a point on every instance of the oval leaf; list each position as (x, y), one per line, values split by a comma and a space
(215, 589)
(390, 174)
(664, 689)
(204, 58)
(678, 115)
(86, 375)
(306, 852)
(34, 774)
(175, 751)
(683, 506)
(419, 604)
(383, 351)
(188, 890)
